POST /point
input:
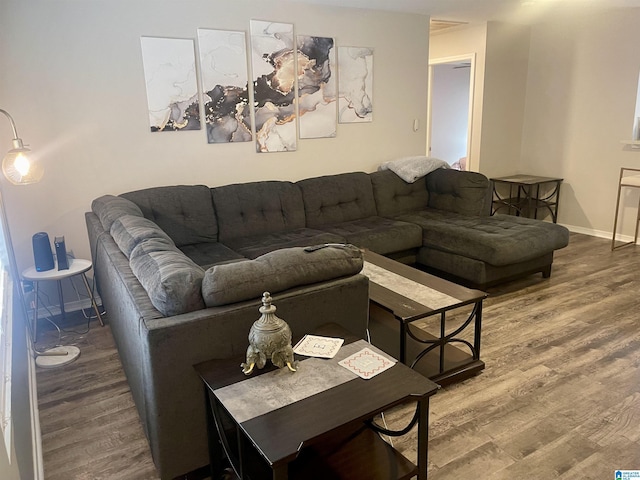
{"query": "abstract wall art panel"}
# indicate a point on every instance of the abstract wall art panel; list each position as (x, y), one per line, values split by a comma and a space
(273, 61)
(317, 87)
(172, 90)
(355, 72)
(223, 73)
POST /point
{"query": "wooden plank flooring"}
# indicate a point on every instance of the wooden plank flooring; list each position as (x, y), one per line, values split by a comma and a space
(559, 398)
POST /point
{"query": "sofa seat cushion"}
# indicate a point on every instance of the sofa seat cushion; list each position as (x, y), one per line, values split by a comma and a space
(184, 212)
(497, 240)
(210, 253)
(278, 271)
(172, 281)
(254, 246)
(128, 231)
(378, 234)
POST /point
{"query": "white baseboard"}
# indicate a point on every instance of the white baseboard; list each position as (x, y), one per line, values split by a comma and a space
(598, 233)
(69, 307)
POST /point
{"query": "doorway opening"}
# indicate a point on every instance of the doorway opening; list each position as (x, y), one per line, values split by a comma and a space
(450, 107)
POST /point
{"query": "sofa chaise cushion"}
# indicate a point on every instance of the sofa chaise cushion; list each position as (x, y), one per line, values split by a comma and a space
(278, 271)
(498, 240)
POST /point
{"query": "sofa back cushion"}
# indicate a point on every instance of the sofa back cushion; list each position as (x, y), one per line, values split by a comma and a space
(128, 231)
(109, 208)
(278, 271)
(249, 209)
(338, 198)
(467, 193)
(395, 197)
(184, 212)
(172, 281)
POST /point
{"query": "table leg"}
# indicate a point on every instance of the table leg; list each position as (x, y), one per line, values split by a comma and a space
(403, 342)
(478, 330)
(61, 298)
(423, 438)
(443, 334)
(35, 311)
(281, 472)
(93, 299)
(215, 447)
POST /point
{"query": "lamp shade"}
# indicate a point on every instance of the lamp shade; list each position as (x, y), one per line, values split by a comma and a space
(19, 168)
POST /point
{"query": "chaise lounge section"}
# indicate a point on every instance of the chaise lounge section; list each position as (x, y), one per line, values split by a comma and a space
(460, 240)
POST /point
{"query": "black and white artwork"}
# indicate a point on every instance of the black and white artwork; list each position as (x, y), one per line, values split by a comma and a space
(224, 79)
(170, 77)
(317, 87)
(355, 71)
(273, 62)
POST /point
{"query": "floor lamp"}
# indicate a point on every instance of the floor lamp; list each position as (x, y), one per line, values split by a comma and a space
(19, 169)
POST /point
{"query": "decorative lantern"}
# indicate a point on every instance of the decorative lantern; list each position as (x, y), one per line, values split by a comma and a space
(269, 338)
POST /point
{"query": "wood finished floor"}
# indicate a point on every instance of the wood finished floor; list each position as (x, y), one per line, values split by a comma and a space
(559, 398)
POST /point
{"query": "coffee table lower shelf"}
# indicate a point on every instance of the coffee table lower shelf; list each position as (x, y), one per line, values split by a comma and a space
(457, 365)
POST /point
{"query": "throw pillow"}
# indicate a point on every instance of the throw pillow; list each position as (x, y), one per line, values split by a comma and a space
(278, 271)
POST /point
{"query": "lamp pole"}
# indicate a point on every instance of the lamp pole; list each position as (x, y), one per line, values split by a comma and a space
(18, 170)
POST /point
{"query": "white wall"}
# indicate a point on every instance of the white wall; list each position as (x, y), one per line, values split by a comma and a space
(506, 63)
(71, 76)
(580, 104)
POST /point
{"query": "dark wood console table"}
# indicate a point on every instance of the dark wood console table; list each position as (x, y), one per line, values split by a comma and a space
(527, 194)
(327, 434)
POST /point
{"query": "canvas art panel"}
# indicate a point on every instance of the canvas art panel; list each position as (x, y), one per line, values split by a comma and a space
(355, 70)
(224, 82)
(273, 62)
(170, 76)
(317, 87)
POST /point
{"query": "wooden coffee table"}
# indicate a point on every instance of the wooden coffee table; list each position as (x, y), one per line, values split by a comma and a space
(399, 296)
(327, 433)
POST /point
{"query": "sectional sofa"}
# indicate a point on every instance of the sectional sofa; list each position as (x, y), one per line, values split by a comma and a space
(181, 270)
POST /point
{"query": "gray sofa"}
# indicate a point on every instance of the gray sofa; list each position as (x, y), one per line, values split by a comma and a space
(181, 269)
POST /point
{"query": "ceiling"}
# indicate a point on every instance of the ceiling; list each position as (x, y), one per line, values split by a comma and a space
(473, 11)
